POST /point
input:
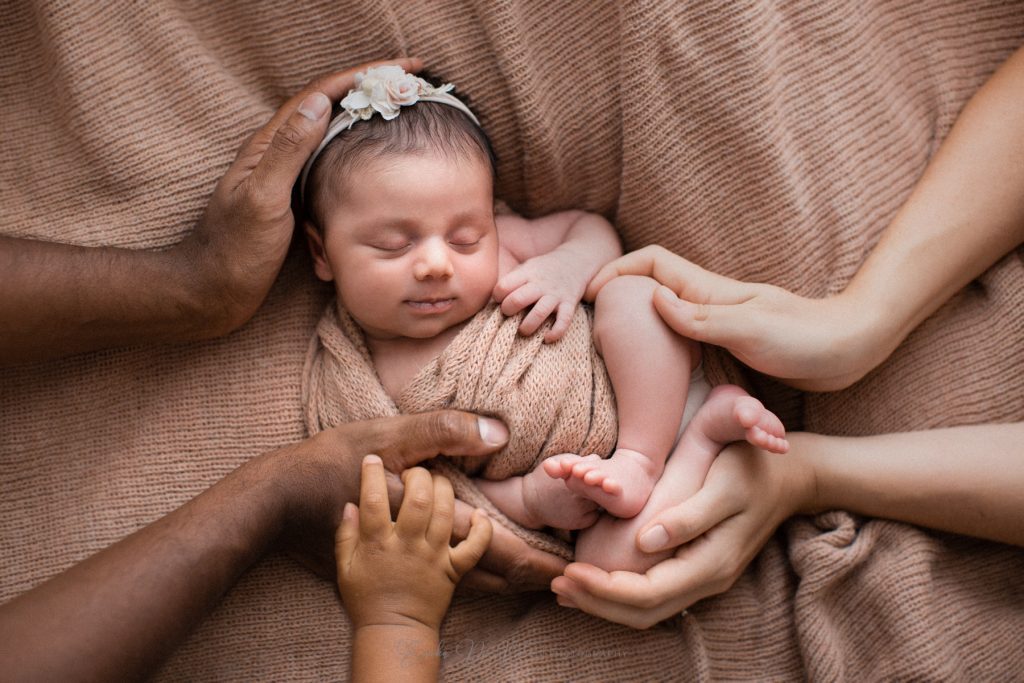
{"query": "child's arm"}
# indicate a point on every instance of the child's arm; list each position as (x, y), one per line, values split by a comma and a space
(397, 579)
(548, 262)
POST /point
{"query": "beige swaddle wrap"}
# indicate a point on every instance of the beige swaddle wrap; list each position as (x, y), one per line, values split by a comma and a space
(555, 398)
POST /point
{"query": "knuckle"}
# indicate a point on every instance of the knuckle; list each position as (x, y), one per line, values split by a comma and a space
(289, 137)
(650, 601)
(518, 570)
(374, 499)
(420, 502)
(446, 427)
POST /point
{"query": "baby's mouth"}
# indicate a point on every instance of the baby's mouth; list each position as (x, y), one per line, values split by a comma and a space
(430, 305)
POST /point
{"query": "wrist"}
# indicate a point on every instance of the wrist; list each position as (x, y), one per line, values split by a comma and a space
(395, 652)
(802, 474)
(208, 298)
(867, 331)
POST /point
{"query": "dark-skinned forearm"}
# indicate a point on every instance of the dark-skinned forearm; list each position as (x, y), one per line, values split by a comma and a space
(60, 299)
(116, 615)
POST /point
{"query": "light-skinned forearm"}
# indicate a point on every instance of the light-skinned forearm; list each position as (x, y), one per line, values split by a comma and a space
(116, 615)
(59, 299)
(966, 480)
(965, 213)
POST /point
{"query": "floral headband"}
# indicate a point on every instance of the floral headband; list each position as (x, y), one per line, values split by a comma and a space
(384, 90)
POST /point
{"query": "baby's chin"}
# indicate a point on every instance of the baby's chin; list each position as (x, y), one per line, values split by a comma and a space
(421, 330)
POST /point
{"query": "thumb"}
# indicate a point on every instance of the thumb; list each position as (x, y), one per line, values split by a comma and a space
(684, 522)
(723, 325)
(292, 144)
(405, 440)
(469, 551)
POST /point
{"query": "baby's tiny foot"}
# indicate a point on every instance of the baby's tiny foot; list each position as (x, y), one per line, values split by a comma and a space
(550, 503)
(560, 466)
(763, 428)
(621, 484)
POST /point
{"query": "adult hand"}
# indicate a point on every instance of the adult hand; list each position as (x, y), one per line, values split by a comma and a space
(748, 493)
(116, 614)
(811, 344)
(243, 237)
(319, 483)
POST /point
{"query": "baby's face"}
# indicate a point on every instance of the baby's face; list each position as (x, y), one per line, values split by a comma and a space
(411, 244)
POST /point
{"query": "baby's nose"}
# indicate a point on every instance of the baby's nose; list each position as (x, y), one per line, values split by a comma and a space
(434, 261)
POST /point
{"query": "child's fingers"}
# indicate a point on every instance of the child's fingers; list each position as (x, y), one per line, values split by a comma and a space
(538, 314)
(346, 538)
(440, 528)
(374, 512)
(417, 503)
(521, 298)
(467, 554)
(562, 321)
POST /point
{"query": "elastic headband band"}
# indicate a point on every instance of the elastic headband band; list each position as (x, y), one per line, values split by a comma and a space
(383, 90)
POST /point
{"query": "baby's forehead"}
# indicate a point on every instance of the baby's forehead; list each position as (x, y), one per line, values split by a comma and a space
(394, 177)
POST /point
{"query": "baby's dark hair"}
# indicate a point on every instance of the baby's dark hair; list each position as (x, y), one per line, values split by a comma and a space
(424, 126)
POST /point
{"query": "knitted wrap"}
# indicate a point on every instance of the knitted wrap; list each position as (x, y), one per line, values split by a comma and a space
(555, 398)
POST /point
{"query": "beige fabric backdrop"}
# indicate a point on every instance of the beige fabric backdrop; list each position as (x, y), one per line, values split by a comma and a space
(764, 140)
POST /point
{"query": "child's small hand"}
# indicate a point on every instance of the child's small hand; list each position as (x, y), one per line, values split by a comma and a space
(403, 573)
(551, 284)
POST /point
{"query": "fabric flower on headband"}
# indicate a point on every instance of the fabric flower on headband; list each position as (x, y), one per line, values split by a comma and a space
(385, 90)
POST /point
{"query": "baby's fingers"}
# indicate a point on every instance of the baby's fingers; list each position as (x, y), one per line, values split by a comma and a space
(521, 298)
(562, 321)
(468, 553)
(538, 314)
(374, 512)
(510, 283)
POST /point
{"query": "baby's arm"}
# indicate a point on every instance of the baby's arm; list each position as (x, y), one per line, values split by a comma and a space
(397, 579)
(548, 262)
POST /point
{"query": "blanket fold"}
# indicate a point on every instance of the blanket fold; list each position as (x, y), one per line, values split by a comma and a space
(770, 141)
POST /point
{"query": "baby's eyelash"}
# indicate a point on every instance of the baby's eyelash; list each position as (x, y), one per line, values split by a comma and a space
(391, 247)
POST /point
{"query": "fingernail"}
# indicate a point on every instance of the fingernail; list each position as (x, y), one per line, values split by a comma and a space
(653, 539)
(349, 511)
(493, 432)
(315, 106)
(669, 295)
(372, 460)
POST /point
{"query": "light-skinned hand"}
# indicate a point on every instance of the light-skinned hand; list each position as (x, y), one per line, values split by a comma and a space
(811, 344)
(748, 493)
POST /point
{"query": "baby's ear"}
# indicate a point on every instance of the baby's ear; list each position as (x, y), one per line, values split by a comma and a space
(321, 266)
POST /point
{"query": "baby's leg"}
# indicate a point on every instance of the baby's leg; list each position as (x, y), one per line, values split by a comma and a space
(536, 500)
(649, 367)
(729, 414)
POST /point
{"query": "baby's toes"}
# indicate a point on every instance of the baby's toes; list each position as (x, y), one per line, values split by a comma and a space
(560, 466)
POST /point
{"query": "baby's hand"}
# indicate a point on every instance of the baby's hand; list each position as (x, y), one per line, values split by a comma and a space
(403, 573)
(550, 283)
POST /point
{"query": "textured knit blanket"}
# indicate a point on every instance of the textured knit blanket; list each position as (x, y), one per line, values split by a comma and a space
(765, 140)
(555, 398)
